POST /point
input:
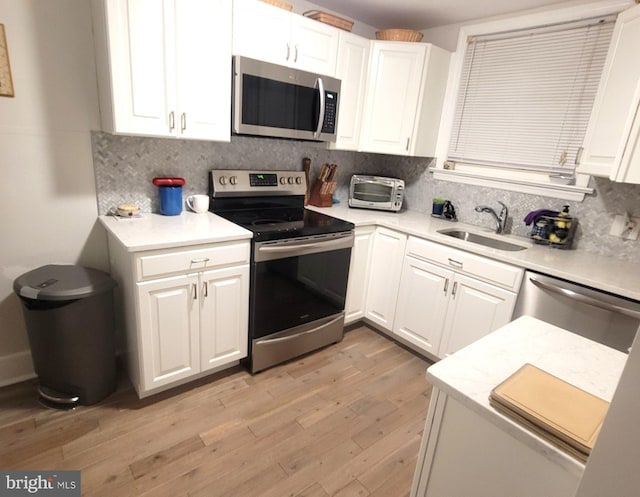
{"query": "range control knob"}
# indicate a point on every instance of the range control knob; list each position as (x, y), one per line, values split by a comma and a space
(233, 180)
(223, 180)
(290, 180)
(298, 180)
(283, 180)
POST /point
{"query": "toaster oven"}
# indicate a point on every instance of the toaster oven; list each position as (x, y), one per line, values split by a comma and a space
(376, 192)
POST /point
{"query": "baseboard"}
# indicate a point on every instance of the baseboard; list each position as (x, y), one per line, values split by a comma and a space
(15, 368)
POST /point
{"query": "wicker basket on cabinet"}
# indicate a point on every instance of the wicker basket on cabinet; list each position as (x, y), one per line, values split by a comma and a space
(278, 3)
(398, 35)
(330, 19)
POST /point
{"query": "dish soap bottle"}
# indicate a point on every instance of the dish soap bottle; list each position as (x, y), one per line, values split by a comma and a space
(561, 225)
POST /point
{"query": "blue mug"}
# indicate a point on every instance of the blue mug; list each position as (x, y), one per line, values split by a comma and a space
(170, 200)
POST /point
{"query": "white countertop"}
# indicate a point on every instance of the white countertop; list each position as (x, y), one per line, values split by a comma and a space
(155, 231)
(470, 374)
(604, 273)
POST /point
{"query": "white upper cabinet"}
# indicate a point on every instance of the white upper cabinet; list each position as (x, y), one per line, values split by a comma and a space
(264, 32)
(352, 71)
(611, 142)
(164, 66)
(404, 98)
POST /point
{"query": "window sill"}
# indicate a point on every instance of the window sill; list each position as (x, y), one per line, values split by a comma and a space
(544, 189)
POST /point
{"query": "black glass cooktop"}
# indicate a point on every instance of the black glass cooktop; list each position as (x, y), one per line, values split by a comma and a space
(274, 222)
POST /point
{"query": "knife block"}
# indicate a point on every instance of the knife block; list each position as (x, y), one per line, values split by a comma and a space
(322, 193)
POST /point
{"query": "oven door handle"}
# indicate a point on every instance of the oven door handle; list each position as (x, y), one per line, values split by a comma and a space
(585, 299)
(320, 85)
(298, 334)
(293, 249)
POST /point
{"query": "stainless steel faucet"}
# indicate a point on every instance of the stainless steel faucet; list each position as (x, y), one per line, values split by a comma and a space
(501, 220)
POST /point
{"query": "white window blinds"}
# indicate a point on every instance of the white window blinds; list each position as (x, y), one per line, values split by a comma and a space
(525, 97)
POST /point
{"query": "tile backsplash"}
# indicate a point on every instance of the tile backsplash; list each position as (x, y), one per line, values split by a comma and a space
(125, 165)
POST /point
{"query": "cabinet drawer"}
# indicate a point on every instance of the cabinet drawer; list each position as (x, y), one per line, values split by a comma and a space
(190, 259)
(489, 270)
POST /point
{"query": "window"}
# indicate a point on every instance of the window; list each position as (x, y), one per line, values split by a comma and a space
(524, 90)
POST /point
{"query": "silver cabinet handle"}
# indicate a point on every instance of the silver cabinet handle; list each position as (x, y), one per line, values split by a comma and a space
(407, 146)
(172, 121)
(198, 261)
(183, 121)
(195, 291)
(288, 51)
(585, 299)
(205, 289)
(453, 262)
(295, 58)
(453, 291)
(446, 286)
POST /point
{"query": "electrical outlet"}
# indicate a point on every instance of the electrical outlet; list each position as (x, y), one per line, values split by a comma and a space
(633, 228)
(625, 227)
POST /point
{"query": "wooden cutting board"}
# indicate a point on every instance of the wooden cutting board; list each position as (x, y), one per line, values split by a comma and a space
(555, 409)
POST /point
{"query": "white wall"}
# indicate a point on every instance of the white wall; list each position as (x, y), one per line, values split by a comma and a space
(47, 193)
(447, 36)
(612, 469)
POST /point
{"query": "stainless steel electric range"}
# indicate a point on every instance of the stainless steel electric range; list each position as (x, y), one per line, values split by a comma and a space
(299, 263)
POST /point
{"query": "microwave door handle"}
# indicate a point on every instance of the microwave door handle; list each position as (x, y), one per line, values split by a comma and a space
(320, 86)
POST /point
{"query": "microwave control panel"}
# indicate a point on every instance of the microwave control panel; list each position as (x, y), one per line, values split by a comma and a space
(330, 111)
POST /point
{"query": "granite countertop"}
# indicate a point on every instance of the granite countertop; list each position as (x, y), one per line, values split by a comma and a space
(470, 374)
(155, 231)
(597, 271)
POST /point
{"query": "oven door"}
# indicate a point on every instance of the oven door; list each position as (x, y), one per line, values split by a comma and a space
(298, 281)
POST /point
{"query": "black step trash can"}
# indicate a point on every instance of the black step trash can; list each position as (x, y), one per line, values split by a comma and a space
(69, 315)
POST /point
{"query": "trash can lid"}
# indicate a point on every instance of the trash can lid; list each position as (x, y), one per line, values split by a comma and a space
(62, 282)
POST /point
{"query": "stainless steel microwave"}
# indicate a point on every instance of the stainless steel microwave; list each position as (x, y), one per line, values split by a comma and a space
(279, 101)
(376, 192)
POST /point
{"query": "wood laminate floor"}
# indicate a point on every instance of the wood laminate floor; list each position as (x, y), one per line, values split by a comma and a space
(344, 421)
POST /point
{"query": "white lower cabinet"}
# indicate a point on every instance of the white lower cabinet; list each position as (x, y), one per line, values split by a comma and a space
(464, 454)
(356, 300)
(475, 310)
(185, 311)
(441, 309)
(384, 276)
(422, 304)
(169, 329)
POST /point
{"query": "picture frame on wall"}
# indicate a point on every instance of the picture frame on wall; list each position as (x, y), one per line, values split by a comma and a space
(6, 83)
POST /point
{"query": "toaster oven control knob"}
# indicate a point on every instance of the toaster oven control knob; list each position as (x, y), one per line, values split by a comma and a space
(233, 180)
(290, 180)
(298, 180)
(223, 180)
(283, 180)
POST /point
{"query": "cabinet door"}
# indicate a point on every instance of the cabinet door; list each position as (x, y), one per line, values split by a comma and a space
(476, 309)
(203, 75)
(384, 276)
(422, 304)
(168, 330)
(358, 274)
(140, 58)
(392, 97)
(261, 31)
(616, 102)
(352, 70)
(314, 46)
(224, 314)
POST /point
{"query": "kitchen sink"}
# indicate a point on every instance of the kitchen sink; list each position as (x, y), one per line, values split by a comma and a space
(487, 241)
